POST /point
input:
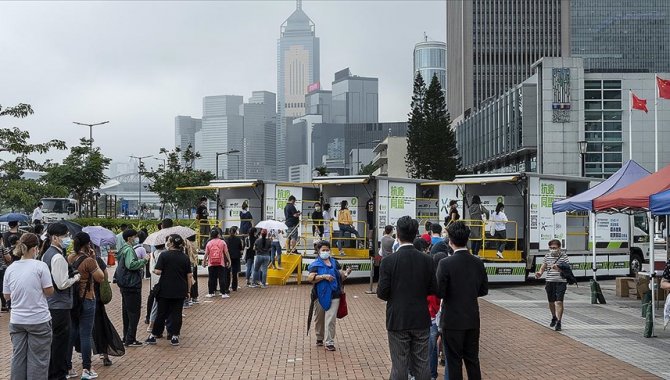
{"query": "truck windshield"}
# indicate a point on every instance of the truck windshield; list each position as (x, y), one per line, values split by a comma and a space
(55, 205)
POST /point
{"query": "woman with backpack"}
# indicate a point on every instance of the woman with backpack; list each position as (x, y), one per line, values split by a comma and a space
(216, 259)
(83, 305)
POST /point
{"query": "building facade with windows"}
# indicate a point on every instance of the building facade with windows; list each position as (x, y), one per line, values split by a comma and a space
(430, 59)
(537, 126)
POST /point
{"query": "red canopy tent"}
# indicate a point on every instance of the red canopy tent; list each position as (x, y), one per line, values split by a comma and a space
(634, 197)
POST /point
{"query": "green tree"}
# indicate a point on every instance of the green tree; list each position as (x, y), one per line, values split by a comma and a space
(19, 193)
(81, 172)
(178, 172)
(321, 171)
(416, 159)
(368, 169)
(431, 142)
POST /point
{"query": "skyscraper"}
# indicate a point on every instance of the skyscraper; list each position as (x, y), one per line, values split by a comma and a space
(492, 44)
(297, 68)
(430, 58)
(258, 149)
(221, 131)
(185, 130)
(355, 99)
(621, 35)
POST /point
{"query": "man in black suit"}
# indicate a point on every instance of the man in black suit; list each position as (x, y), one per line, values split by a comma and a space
(406, 279)
(461, 279)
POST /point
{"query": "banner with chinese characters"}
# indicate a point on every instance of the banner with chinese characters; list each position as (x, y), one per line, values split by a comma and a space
(231, 212)
(401, 201)
(544, 224)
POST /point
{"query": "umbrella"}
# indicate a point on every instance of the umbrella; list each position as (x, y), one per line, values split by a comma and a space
(100, 236)
(14, 217)
(159, 237)
(271, 225)
(72, 227)
(311, 312)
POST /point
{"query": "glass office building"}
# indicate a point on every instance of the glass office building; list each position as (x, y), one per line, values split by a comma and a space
(430, 58)
(621, 35)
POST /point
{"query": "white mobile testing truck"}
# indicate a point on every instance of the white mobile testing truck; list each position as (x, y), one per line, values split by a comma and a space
(621, 242)
(56, 209)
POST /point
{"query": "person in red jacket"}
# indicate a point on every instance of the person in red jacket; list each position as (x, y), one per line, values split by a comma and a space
(434, 304)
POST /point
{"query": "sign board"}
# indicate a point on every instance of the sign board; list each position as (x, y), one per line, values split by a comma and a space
(231, 212)
(611, 228)
(270, 202)
(544, 224)
(447, 194)
(382, 206)
(313, 87)
(401, 201)
(335, 203)
(427, 211)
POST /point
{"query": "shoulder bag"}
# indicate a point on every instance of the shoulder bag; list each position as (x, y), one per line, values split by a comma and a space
(342, 309)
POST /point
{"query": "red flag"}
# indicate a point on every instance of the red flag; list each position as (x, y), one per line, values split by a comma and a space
(663, 88)
(639, 104)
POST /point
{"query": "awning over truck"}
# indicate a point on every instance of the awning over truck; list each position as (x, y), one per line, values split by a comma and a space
(222, 185)
(475, 181)
(342, 181)
(660, 203)
(629, 173)
(634, 197)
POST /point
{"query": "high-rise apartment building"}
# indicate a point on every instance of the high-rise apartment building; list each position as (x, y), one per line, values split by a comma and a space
(430, 59)
(297, 68)
(492, 44)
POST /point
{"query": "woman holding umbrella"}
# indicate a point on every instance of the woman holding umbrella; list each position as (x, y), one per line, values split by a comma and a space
(327, 278)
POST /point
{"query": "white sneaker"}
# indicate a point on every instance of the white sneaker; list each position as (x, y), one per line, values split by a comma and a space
(500, 255)
(209, 296)
(89, 374)
(71, 374)
(224, 295)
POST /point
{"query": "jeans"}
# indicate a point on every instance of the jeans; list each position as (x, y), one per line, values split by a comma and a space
(215, 273)
(250, 270)
(169, 308)
(60, 339)
(432, 351)
(501, 235)
(131, 306)
(261, 263)
(150, 305)
(31, 350)
(82, 330)
(276, 251)
(475, 246)
(345, 228)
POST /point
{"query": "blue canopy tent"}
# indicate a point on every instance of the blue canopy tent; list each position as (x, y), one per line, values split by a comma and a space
(629, 173)
(659, 203)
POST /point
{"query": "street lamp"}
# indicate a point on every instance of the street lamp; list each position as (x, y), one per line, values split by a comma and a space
(227, 153)
(358, 153)
(161, 159)
(90, 128)
(582, 155)
(139, 173)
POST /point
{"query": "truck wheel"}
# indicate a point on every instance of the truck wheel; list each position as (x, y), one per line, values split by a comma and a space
(636, 261)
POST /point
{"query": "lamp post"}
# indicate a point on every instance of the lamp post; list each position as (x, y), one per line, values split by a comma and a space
(90, 128)
(139, 174)
(161, 159)
(582, 155)
(225, 154)
(358, 153)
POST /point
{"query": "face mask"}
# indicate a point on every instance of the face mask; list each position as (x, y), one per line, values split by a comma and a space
(554, 252)
(324, 254)
(317, 208)
(65, 242)
(136, 241)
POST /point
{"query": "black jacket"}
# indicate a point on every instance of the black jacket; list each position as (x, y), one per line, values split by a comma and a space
(461, 279)
(406, 279)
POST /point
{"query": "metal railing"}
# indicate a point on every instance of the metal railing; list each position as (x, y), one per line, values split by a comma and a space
(483, 231)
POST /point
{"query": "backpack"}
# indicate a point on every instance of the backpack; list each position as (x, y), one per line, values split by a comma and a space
(77, 300)
(216, 253)
(566, 273)
(125, 278)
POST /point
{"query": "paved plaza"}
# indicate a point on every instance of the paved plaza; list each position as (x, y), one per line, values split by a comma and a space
(261, 334)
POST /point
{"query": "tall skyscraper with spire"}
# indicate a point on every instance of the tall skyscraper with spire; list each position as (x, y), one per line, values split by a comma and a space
(297, 68)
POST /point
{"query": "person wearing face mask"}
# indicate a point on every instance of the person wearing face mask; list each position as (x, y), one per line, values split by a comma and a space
(500, 224)
(461, 280)
(327, 277)
(28, 284)
(317, 221)
(60, 302)
(555, 284)
(128, 276)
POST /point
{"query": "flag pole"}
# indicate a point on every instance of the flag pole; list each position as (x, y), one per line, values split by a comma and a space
(656, 122)
(630, 124)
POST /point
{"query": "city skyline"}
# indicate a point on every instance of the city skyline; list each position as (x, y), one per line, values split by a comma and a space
(140, 65)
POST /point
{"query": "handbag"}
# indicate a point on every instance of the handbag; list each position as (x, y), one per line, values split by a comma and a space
(342, 309)
(105, 291)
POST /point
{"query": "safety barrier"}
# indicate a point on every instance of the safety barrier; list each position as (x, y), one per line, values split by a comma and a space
(489, 243)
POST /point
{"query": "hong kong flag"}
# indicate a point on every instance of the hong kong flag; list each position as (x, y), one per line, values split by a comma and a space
(663, 88)
(639, 104)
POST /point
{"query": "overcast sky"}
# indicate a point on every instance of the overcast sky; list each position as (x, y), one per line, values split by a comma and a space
(139, 64)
